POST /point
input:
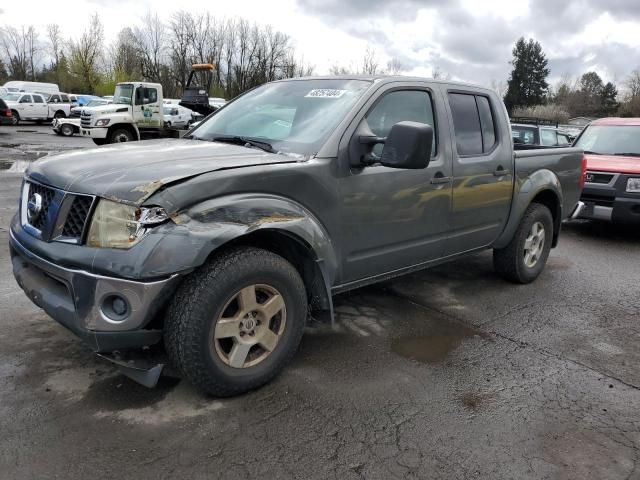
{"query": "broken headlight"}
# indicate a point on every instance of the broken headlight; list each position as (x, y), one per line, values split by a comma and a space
(115, 225)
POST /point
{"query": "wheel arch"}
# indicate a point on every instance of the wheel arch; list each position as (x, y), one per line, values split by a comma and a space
(124, 126)
(543, 187)
(271, 222)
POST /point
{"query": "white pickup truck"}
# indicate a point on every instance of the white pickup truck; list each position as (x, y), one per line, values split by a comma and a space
(34, 107)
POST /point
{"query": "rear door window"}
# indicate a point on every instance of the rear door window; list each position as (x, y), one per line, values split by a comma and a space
(548, 137)
(38, 99)
(487, 123)
(65, 98)
(466, 123)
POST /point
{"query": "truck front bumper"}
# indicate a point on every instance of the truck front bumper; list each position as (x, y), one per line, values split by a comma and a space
(94, 132)
(107, 313)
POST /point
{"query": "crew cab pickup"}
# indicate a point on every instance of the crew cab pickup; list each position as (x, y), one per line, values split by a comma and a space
(34, 107)
(612, 189)
(223, 243)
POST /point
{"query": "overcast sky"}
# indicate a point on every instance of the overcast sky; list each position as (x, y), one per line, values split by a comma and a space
(469, 39)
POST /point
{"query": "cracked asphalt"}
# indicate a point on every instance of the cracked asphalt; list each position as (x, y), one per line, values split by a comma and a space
(447, 373)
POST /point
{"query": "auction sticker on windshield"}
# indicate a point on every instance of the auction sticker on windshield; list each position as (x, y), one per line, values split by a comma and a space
(325, 93)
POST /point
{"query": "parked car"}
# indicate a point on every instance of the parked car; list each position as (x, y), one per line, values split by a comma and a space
(6, 116)
(97, 102)
(538, 132)
(40, 87)
(222, 243)
(612, 189)
(33, 107)
(176, 116)
(66, 127)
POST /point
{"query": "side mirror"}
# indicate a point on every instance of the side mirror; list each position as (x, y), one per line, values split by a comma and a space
(408, 145)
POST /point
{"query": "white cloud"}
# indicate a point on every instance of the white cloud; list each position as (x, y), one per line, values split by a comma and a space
(469, 39)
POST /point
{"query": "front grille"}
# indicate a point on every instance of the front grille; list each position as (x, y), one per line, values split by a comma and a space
(74, 114)
(602, 178)
(77, 216)
(50, 214)
(47, 194)
(85, 119)
(601, 200)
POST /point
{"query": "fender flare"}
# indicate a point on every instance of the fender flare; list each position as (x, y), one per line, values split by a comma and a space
(221, 221)
(540, 181)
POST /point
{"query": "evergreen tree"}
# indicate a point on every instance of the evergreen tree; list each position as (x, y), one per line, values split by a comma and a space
(528, 81)
(608, 103)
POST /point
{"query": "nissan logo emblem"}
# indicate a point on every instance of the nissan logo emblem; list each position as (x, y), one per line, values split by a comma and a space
(34, 207)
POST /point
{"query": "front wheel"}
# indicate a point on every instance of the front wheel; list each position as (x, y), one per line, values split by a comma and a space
(66, 130)
(120, 135)
(526, 255)
(237, 321)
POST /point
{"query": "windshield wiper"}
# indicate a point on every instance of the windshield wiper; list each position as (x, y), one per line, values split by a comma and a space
(628, 154)
(246, 141)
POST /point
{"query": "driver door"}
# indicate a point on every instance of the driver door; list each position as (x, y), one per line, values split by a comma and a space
(395, 218)
(147, 109)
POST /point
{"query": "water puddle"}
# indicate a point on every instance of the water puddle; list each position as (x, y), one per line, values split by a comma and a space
(434, 346)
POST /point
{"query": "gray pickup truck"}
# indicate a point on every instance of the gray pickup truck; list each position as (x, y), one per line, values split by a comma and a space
(224, 243)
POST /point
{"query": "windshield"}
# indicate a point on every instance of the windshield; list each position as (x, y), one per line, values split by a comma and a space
(611, 139)
(123, 94)
(293, 116)
(12, 97)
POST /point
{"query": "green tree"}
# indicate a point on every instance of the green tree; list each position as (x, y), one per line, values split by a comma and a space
(528, 80)
(608, 100)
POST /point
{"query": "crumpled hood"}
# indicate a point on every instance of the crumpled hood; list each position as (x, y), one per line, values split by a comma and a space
(613, 163)
(132, 172)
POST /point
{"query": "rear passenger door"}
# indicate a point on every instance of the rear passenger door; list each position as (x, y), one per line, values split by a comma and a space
(482, 172)
(40, 107)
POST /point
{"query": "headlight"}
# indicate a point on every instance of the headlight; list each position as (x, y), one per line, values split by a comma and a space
(633, 185)
(115, 225)
(103, 122)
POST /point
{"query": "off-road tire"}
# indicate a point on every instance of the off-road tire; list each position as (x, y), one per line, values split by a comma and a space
(196, 308)
(509, 262)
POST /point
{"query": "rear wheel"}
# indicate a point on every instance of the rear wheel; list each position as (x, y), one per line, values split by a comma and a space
(15, 118)
(59, 114)
(526, 255)
(235, 323)
(120, 135)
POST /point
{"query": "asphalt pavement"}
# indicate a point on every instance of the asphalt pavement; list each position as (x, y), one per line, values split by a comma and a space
(448, 373)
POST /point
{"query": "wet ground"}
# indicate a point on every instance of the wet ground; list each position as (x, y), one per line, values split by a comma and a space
(449, 373)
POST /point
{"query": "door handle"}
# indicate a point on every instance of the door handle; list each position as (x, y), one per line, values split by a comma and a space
(439, 179)
(500, 172)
